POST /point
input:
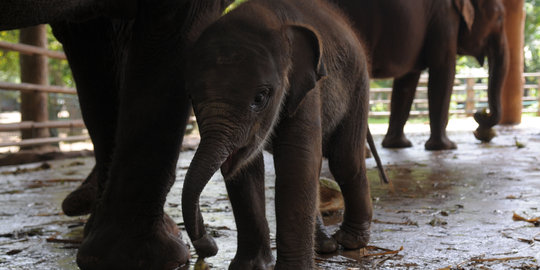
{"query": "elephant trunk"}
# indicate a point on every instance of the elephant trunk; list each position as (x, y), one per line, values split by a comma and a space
(213, 151)
(498, 67)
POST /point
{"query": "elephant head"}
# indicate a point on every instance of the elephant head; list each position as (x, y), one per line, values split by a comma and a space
(482, 34)
(242, 78)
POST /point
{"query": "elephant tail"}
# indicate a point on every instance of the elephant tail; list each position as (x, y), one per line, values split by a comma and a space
(382, 173)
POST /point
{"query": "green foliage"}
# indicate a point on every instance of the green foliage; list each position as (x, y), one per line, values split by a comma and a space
(59, 74)
(532, 36)
(59, 71)
(9, 61)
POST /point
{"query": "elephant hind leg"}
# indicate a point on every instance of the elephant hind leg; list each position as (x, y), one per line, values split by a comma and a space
(403, 93)
(347, 164)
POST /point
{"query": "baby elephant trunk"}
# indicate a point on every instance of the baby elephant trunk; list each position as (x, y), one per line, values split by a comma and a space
(210, 155)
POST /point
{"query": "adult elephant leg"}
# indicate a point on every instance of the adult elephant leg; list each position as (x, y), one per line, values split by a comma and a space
(246, 192)
(441, 81)
(91, 56)
(129, 228)
(297, 158)
(403, 92)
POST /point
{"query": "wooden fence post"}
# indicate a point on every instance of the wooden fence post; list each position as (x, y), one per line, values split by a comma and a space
(34, 70)
(512, 92)
(538, 96)
(470, 101)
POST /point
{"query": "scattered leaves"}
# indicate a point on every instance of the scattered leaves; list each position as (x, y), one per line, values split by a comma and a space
(201, 265)
(76, 163)
(535, 221)
(437, 222)
(385, 251)
(64, 241)
(518, 144)
(14, 251)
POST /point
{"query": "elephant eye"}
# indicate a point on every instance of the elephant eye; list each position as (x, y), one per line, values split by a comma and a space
(260, 100)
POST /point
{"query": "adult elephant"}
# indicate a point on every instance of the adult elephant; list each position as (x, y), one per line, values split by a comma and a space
(404, 37)
(126, 58)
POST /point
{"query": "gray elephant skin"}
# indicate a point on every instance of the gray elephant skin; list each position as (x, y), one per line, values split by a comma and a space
(404, 37)
(291, 77)
(126, 58)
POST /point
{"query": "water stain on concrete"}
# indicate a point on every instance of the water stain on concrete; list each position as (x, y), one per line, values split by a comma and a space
(443, 210)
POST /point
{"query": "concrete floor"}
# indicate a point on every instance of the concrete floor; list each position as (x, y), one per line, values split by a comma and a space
(447, 209)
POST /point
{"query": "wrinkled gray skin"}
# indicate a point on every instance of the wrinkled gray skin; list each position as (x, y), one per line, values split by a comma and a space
(256, 81)
(404, 37)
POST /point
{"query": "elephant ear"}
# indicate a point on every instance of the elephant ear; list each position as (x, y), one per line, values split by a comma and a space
(466, 9)
(307, 66)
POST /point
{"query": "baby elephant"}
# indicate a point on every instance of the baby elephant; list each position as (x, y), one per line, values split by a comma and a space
(289, 77)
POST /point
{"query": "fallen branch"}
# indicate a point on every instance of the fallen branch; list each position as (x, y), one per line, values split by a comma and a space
(64, 241)
(387, 252)
(407, 223)
(501, 259)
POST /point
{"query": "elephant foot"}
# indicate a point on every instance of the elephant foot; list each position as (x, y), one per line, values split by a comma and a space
(400, 141)
(324, 242)
(80, 201)
(352, 239)
(129, 246)
(440, 143)
(263, 261)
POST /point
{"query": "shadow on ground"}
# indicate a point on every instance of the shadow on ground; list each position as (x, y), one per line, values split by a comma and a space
(443, 210)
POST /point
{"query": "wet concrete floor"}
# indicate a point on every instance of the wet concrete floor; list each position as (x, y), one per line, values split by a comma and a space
(443, 210)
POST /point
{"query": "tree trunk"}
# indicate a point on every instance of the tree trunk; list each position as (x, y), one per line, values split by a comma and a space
(34, 70)
(512, 92)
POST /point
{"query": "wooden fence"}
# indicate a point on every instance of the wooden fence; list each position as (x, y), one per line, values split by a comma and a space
(469, 95)
(27, 87)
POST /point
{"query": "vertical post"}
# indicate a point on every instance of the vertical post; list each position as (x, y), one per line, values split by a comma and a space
(34, 70)
(512, 92)
(538, 95)
(470, 102)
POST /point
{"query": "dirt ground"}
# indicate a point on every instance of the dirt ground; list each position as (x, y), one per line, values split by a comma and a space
(443, 210)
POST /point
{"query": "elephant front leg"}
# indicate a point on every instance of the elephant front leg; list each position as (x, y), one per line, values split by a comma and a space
(129, 229)
(91, 57)
(403, 93)
(297, 159)
(246, 193)
(441, 81)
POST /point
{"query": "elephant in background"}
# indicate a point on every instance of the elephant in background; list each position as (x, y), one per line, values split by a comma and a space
(404, 37)
(127, 59)
(290, 77)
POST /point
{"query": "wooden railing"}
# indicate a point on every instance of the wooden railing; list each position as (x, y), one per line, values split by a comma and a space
(27, 87)
(469, 95)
